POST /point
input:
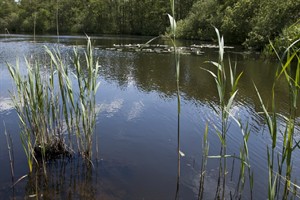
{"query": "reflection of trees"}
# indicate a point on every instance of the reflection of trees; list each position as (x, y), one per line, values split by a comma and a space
(76, 179)
(65, 178)
(155, 72)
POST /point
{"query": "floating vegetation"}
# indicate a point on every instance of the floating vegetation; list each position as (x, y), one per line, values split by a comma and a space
(163, 49)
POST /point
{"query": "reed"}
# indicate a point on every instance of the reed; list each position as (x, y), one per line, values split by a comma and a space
(289, 68)
(227, 91)
(172, 37)
(10, 149)
(48, 106)
(205, 149)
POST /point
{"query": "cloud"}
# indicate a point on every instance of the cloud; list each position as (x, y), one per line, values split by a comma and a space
(112, 108)
(136, 110)
(6, 104)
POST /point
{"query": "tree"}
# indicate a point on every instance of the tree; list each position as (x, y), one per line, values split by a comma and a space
(9, 15)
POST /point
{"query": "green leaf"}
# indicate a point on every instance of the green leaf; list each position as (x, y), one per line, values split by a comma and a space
(215, 64)
(230, 101)
(172, 24)
(213, 74)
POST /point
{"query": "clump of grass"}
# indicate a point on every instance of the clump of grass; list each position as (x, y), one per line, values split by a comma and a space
(290, 69)
(226, 99)
(48, 110)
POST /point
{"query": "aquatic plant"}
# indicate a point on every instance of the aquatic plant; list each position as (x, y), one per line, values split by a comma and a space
(289, 68)
(226, 98)
(10, 150)
(205, 149)
(48, 110)
(172, 37)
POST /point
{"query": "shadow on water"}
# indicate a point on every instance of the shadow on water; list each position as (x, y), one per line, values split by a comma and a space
(73, 179)
(137, 123)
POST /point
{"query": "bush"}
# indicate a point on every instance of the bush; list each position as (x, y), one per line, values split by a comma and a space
(288, 36)
(271, 18)
(198, 23)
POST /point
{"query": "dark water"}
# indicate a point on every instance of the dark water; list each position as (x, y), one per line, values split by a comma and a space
(137, 124)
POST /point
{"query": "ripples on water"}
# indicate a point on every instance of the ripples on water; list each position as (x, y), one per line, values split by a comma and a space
(137, 123)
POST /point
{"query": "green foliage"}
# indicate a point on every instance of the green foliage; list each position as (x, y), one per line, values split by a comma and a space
(290, 69)
(237, 18)
(271, 17)
(197, 25)
(288, 36)
(251, 22)
(8, 15)
(141, 17)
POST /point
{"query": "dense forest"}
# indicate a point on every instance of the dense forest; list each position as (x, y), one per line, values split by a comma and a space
(249, 22)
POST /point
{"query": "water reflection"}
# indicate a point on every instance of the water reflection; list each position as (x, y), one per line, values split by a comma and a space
(137, 122)
(6, 105)
(74, 179)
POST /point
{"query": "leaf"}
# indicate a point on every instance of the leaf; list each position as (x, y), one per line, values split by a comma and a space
(96, 88)
(181, 154)
(221, 44)
(230, 101)
(213, 74)
(215, 64)
(221, 138)
(271, 122)
(172, 24)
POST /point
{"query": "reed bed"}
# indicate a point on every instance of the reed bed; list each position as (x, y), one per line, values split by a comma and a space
(59, 107)
(280, 164)
(53, 108)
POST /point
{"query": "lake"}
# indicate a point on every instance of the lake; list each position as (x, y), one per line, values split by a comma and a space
(137, 123)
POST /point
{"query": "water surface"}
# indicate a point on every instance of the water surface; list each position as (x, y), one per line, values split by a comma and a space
(137, 123)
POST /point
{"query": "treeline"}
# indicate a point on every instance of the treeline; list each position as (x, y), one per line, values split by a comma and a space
(140, 17)
(249, 22)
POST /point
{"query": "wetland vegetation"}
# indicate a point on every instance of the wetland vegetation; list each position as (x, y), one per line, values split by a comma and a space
(140, 136)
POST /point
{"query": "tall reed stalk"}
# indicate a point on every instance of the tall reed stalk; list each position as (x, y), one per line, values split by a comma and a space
(50, 105)
(172, 37)
(226, 98)
(205, 149)
(10, 149)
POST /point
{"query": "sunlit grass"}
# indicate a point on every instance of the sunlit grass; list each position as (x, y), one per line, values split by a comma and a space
(51, 106)
(227, 91)
(289, 68)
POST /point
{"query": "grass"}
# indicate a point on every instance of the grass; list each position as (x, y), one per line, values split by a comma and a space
(52, 106)
(48, 110)
(10, 149)
(227, 91)
(279, 163)
(172, 37)
(289, 68)
(205, 149)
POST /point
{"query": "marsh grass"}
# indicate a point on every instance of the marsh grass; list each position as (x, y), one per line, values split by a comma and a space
(52, 106)
(172, 37)
(289, 68)
(227, 91)
(10, 150)
(205, 149)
